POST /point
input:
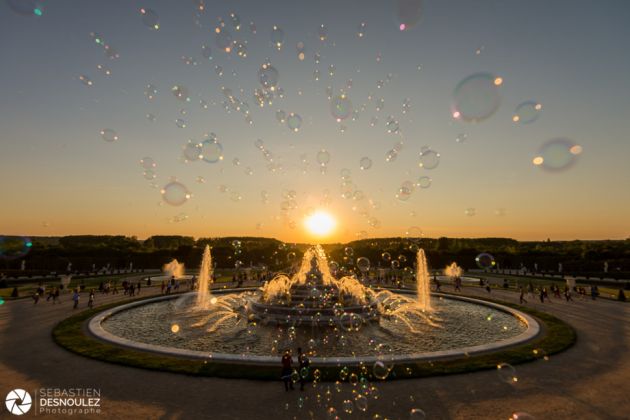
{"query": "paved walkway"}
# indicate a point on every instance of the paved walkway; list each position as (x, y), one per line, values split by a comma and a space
(589, 381)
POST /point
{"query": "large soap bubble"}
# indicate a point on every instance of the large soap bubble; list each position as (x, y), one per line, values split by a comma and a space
(527, 112)
(476, 97)
(341, 107)
(408, 13)
(557, 155)
(175, 193)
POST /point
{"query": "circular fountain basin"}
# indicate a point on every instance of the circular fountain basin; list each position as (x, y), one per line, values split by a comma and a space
(466, 326)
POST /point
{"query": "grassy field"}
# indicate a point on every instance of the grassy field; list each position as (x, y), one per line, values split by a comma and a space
(69, 333)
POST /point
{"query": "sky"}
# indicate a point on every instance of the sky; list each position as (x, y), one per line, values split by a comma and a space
(60, 177)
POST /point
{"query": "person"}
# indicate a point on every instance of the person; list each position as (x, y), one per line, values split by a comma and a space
(438, 286)
(530, 290)
(287, 370)
(36, 297)
(567, 293)
(458, 283)
(594, 292)
(621, 297)
(75, 298)
(15, 292)
(56, 296)
(132, 289)
(522, 296)
(543, 292)
(163, 286)
(91, 299)
(304, 365)
(488, 289)
(138, 286)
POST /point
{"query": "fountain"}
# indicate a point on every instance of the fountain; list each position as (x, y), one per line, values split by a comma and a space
(423, 286)
(173, 269)
(333, 318)
(453, 271)
(313, 296)
(205, 278)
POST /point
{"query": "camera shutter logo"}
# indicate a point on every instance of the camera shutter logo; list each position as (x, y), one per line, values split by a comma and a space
(18, 402)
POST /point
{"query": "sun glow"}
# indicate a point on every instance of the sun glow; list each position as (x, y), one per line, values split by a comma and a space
(320, 223)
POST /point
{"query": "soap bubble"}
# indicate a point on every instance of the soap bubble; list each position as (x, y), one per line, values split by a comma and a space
(405, 190)
(461, 138)
(277, 37)
(521, 415)
(192, 151)
(408, 13)
(26, 7)
(363, 264)
(223, 40)
(322, 32)
(180, 123)
(181, 93)
(507, 373)
(485, 260)
(413, 232)
(392, 125)
(12, 247)
(85, 80)
(380, 370)
(348, 251)
(206, 52)
(235, 20)
(341, 107)
(150, 19)
(148, 163)
(476, 97)
(424, 182)
(103, 69)
(417, 414)
(323, 157)
(175, 193)
(470, 211)
(150, 91)
(281, 116)
(527, 112)
(361, 29)
(365, 163)
(361, 402)
(557, 154)
(429, 159)
(211, 151)
(386, 256)
(109, 135)
(348, 406)
(294, 122)
(268, 76)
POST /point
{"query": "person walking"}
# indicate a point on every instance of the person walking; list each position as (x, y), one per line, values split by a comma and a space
(75, 298)
(304, 367)
(522, 296)
(287, 370)
(91, 299)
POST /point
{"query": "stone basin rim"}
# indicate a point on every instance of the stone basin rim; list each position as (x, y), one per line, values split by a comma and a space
(95, 328)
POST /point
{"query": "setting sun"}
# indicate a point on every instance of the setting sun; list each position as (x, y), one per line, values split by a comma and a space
(320, 223)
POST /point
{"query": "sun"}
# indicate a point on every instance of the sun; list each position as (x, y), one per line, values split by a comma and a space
(320, 223)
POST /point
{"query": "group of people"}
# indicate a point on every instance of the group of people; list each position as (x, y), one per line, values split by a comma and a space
(289, 375)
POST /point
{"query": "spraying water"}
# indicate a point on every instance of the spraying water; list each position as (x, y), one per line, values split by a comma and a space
(453, 271)
(205, 278)
(174, 268)
(422, 282)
